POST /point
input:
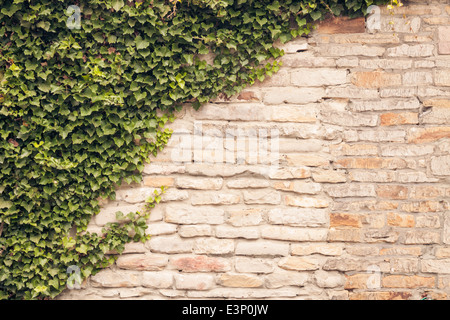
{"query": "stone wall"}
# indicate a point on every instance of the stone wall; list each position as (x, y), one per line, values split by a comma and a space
(329, 180)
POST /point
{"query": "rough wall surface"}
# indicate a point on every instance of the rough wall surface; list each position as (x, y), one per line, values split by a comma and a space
(329, 180)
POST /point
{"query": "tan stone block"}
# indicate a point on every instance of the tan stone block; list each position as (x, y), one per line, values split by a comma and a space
(199, 183)
(189, 231)
(293, 233)
(245, 217)
(442, 253)
(306, 160)
(400, 251)
(329, 176)
(261, 196)
(159, 280)
(350, 190)
(421, 237)
(237, 280)
(305, 202)
(436, 266)
(225, 231)
(328, 279)
(282, 278)
(426, 135)
(427, 192)
(376, 79)
(113, 279)
(298, 187)
(254, 265)
(344, 149)
(359, 281)
(400, 220)
(344, 235)
(142, 262)
(345, 220)
(421, 206)
(299, 263)
(394, 192)
(404, 50)
(214, 198)
(244, 183)
(170, 244)
(199, 264)
(213, 246)
(156, 182)
(395, 119)
(410, 282)
(262, 248)
(194, 281)
(323, 249)
(381, 295)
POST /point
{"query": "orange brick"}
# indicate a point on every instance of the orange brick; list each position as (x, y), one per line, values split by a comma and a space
(345, 220)
(376, 79)
(395, 119)
(394, 192)
(156, 182)
(357, 281)
(342, 25)
(360, 163)
(396, 281)
(425, 135)
(400, 220)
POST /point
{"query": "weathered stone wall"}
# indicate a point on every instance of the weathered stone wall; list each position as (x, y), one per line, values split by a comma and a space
(335, 187)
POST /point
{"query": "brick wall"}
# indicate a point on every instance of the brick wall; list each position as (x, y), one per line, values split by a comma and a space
(329, 180)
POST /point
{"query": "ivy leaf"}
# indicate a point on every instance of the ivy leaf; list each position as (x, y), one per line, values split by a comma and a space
(117, 4)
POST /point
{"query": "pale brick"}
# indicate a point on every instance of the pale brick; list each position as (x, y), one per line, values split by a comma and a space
(385, 64)
(376, 79)
(307, 160)
(362, 251)
(430, 134)
(395, 119)
(339, 51)
(157, 280)
(398, 92)
(305, 202)
(152, 168)
(299, 263)
(245, 217)
(385, 105)
(170, 244)
(237, 280)
(244, 183)
(351, 92)
(380, 295)
(282, 278)
(189, 231)
(350, 190)
(262, 248)
(329, 176)
(426, 192)
(225, 231)
(199, 183)
(444, 39)
(362, 281)
(142, 262)
(301, 187)
(442, 253)
(113, 279)
(293, 233)
(440, 165)
(442, 77)
(161, 228)
(406, 150)
(394, 192)
(344, 264)
(436, 266)
(446, 234)
(323, 249)
(421, 237)
(292, 95)
(344, 149)
(254, 265)
(213, 246)
(298, 217)
(214, 197)
(305, 77)
(419, 50)
(400, 220)
(380, 235)
(378, 136)
(372, 176)
(289, 173)
(185, 215)
(399, 25)
(194, 281)
(428, 221)
(344, 235)
(400, 251)
(329, 279)
(421, 206)
(417, 78)
(243, 293)
(366, 38)
(349, 119)
(199, 264)
(288, 113)
(263, 196)
(156, 182)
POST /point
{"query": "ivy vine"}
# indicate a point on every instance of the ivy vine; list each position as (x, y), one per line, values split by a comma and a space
(79, 97)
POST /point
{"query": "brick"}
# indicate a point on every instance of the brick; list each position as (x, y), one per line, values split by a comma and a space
(262, 248)
(376, 79)
(288, 113)
(377, 136)
(244, 293)
(372, 176)
(293, 233)
(444, 40)
(400, 220)
(351, 92)
(442, 77)
(394, 192)
(301, 187)
(367, 38)
(262, 196)
(298, 217)
(345, 220)
(225, 231)
(185, 215)
(400, 251)
(328, 279)
(282, 278)
(305, 202)
(338, 25)
(428, 221)
(156, 182)
(254, 265)
(306, 160)
(142, 262)
(436, 266)
(317, 77)
(213, 246)
(199, 183)
(381, 295)
(292, 95)
(403, 265)
(214, 198)
(236, 280)
(385, 105)
(440, 165)
(398, 25)
(380, 235)
(421, 206)
(112, 279)
(200, 264)
(442, 253)
(350, 190)
(446, 234)
(340, 51)
(194, 281)
(395, 119)
(385, 64)
(157, 280)
(344, 149)
(362, 281)
(430, 134)
(426, 192)
(417, 78)
(161, 228)
(421, 237)
(329, 176)
(189, 231)
(244, 183)
(404, 50)
(323, 249)
(344, 264)
(406, 150)
(290, 173)
(245, 217)
(344, 235)
(152, 168)
(362, 251)
(170, 244)
(299, 263)
(348, 119)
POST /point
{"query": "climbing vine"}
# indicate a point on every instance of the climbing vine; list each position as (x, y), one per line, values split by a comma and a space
(81, 84)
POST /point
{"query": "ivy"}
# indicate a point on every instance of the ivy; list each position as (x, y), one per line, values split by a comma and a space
(82, 106)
